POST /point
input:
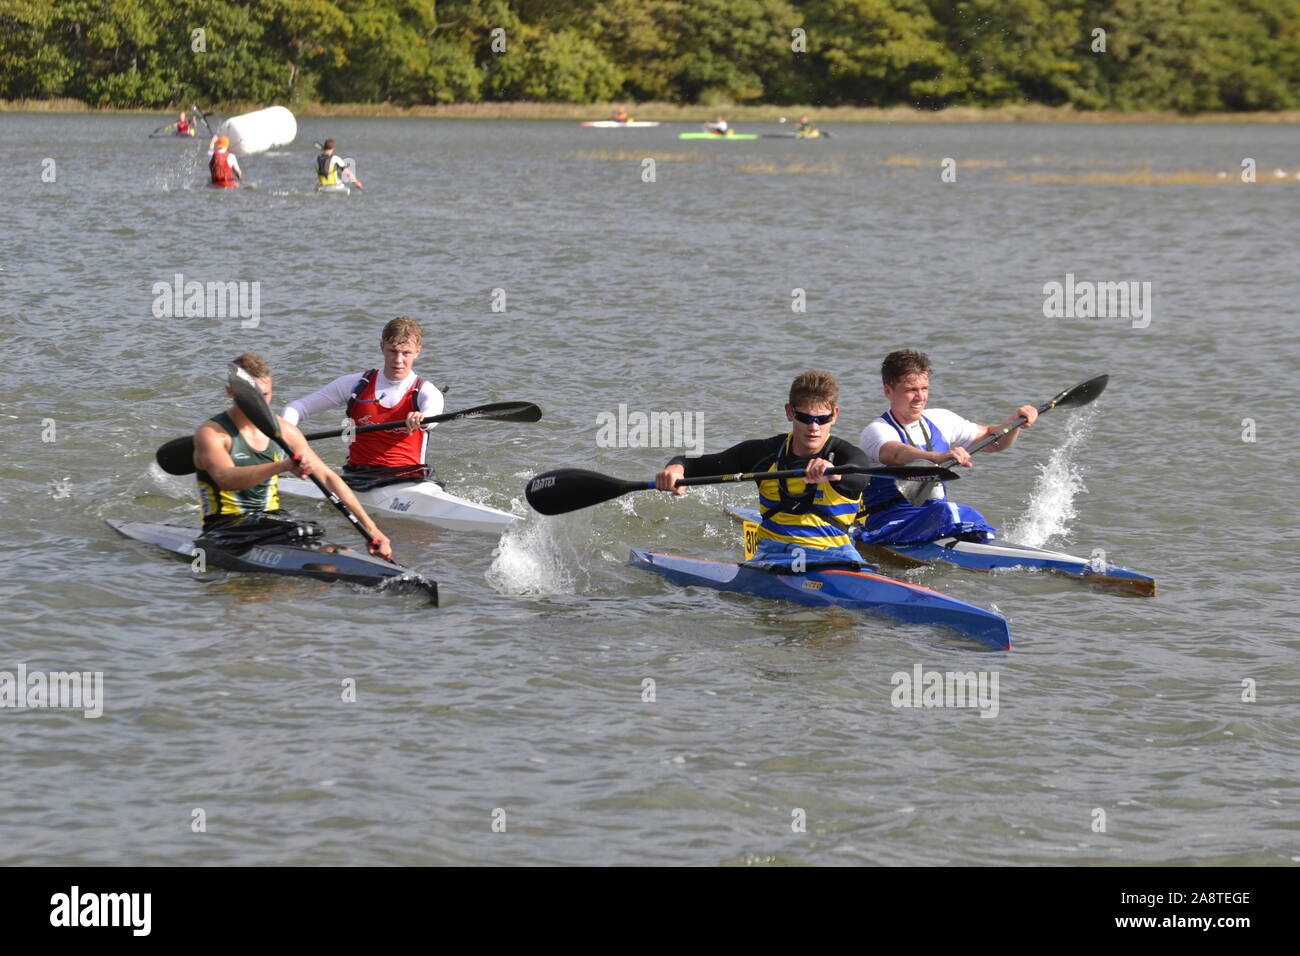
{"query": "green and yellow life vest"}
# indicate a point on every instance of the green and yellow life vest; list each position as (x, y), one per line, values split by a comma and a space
(217, 501)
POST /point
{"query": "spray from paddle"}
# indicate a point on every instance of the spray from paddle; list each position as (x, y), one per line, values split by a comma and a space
(539, 558)
(1051, 504)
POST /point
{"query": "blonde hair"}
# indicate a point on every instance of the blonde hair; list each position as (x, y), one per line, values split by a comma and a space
(402, 329)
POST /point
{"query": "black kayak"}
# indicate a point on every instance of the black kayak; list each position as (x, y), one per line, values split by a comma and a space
(324, 562)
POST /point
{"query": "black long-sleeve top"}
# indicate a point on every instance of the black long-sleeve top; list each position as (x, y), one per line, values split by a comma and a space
(759, 453)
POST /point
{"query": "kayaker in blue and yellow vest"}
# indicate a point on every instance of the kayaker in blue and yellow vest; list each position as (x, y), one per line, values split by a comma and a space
(805, 521)
(238, 468)
(328, 167)
(912, 512)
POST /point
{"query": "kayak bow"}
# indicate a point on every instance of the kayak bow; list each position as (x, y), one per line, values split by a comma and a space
(324, 562)
(840, 587)
(984, 556)
(422, 500)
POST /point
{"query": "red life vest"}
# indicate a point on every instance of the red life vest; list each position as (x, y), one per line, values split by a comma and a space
(385, 449)
(183, 127)
(222, 174)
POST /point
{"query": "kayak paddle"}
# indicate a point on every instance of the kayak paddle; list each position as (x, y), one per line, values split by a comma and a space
(568, 489)
(1081, 394)
(202, 116)
(250, 401)
(176, 457)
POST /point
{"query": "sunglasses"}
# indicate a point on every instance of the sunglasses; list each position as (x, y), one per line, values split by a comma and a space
(810, 419)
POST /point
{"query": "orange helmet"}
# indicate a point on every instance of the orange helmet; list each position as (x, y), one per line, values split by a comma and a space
(223, 142)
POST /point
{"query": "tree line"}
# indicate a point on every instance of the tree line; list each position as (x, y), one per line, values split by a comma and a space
(1186, 55)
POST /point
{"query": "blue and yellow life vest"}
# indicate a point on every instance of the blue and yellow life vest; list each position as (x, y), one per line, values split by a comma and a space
(816, 517)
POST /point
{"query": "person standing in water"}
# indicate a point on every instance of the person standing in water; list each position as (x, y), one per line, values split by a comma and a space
(328, 166)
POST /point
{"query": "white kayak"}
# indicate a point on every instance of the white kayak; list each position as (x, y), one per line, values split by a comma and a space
(615, 124)
(422, 500)
(337, 188)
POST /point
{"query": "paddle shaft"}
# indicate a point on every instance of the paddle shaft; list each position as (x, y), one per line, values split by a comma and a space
(1083, 393)
(569, 489)
(176, 457)
(249, 400)
(332, 498)
(202, 116)
(788, 473)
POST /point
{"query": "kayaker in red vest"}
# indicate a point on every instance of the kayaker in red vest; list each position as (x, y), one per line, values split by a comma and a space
(238, 469)
(222, 164)
(183, 125)
(391, 393)
(905, 512)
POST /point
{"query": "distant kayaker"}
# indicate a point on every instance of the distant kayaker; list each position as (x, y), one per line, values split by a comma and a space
(238, 471)
(718, 127)
(805, 127)
(328, 166)
(392, 393)
(183, 125)
(620, 116)
(901, 512)
(804, 520)
(222, 163)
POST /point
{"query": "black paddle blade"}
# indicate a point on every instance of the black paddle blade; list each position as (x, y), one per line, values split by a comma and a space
(177, 456)
(568, 489)
(1081, 394)
(251, 402)
(502, 412)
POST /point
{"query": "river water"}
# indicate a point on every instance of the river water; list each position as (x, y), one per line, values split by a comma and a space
(514, 725)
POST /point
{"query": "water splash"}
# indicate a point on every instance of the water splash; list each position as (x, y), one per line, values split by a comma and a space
(539, 556)
(1051, 509)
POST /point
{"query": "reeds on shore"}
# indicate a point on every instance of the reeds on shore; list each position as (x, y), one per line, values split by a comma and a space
(674, 112)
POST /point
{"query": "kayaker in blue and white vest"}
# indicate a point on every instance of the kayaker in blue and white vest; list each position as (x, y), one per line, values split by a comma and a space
(911, 512)
(805, 521)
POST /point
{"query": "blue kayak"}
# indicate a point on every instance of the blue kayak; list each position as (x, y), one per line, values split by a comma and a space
(994, 554)
(843, 588)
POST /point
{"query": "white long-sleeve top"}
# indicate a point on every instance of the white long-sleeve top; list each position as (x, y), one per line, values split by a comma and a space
(337, 392)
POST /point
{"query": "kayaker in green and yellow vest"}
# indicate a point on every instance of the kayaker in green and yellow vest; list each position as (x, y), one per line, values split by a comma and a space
(806, 128)
(328, 166)
(238, 468)
(805, 521)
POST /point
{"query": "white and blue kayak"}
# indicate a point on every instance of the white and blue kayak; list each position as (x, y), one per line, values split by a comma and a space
(840, 587)
(422, 500)
(987, 556)
(337, 189)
